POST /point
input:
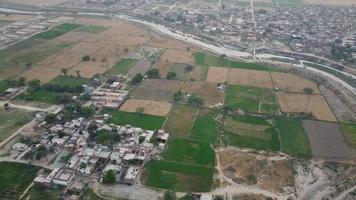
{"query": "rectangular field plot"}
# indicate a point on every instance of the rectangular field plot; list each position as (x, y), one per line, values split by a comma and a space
(180, 70)
(314, 104)
(140, 67)
(251, 99)
(123, 66)
(249, 132)
(12, 120)
(178, 176)
(180, 120)
(156, 108)
(326, 141)
(205, 128)
(163, 68)
(157, 89)
(349, 131)
(177, 56)
(192, 153)
(209, 91)
(292, 83)
(91, 29)
(144, 121)
(57, 31)
(15, 178)
(294, 140)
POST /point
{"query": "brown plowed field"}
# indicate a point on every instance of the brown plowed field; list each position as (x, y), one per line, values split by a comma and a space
(157, 108)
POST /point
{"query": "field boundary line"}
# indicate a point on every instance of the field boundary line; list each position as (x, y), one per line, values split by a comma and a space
(193, 122)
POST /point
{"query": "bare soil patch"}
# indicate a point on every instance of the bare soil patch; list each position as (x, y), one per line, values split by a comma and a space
(157, 89)
(218, 74)
(207, 90)
(157, 108)
(251, 169)
(14, 17)
(331, 2)
(314, 104)
(327, 142)
(177, 56)
(86, 47)
(163, 68)
(170, 43)
(250, 78)
(62, 60)
(89, 69)
(292, 83)
(141, 67)
(41, 73)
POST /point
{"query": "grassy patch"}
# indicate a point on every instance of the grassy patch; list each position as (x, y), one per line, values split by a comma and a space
(123, 66)
(11, 121)
(205, 128)
(249, 132)
(294, 140)
(193, 152)
(56, 31)
(251, 99)
(245, 65)
(15, 178)
(178, 176)
(43, 193)
(144, 121)
(91, 29)
(180, 120)
(350, 132)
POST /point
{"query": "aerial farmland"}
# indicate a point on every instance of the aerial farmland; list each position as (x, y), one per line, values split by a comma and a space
(110, 108)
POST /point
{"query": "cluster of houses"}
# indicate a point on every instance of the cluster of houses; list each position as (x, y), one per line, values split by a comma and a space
(20, 30)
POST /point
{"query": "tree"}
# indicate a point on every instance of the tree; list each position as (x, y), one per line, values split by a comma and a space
(189, 68)
(126, 50)
(171, 75)
(78, 73)
(86, 58)
(7, 106)
(137, 79)
(153, 73)
(50, 118)
(34, 84)
(195, 100)
(140, 110)
(169, 195)
(308, 90)
(223, 6)
(178, 96)
(109, 177)
(22, 81)
(64, 71)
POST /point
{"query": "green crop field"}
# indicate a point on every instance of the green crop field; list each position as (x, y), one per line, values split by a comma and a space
(178, 176)
(43, 193)
(180, 120)
(205, 128)
(15, 178)
(251, 99)
(91, 29)
(122, 67)
(56, 31)
(11, 121)
(294, 140)
(193, 152)
(249, 132)
(144, 121)
(349, 131)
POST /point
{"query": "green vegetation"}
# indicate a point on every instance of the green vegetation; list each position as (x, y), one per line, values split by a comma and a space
(249, 132)
(180, 120)
(193, 152)
(251, 99)
(171, 75)
(195, 100)
(349, 130)
(10, 174)
(181, 70)
(136, 79)
(294, 140)
(56, 31)
(205, 128)
(109, 177)
(153, 73)
(178, 176)
(123, 66)
(91, 29)
(144, 121)
(12, 120)
(43, 193)
(209, 59)
(57, 87)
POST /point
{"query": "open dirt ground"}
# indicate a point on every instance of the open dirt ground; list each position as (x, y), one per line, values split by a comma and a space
(62, 60)
(14, 17)
(41, 73)
(296, 103)
(177, 56)
(327, 141)
(89, 69)
(73, 36)
(37, 2)
(163, 68)
(157, 108)
(141, 67)
(170, 43)
(272, 174)
(292, 83)
(240, 77)
(157, 89)
(207, 90)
